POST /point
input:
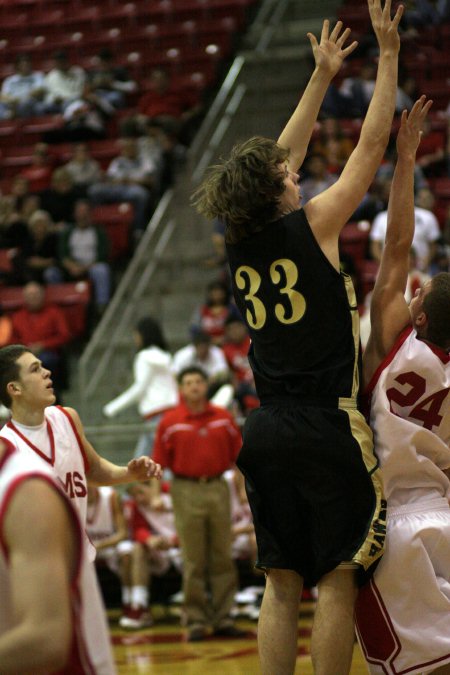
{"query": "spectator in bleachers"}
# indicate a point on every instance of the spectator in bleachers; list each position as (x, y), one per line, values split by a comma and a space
(201, 353)
(160, 147)
(235, 348)
(174, 108)
(426, 232)
(59, 200)
(83, 254)
(39, 250)
(129, 178)
(11, 206)
(42, 328)
(110, 82)
(39, 172)
(22, 94)
(333, 144)
(424, 13)
(210, 316)
(317, 177)
(352, 98)
(386, 171)
(64, 83)
(198, 442)
(84, 119)
(83, 169)
(155, 551)
(441, 260)
(106, 528)
(154, 389)
(432, 151)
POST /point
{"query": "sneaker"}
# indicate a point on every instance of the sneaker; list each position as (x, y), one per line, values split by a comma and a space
(197, 633)
(136, 618)
(228, 630)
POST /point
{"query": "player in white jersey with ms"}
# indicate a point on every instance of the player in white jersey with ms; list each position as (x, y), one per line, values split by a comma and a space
(55, 434)
(46, 580)
(403, 613)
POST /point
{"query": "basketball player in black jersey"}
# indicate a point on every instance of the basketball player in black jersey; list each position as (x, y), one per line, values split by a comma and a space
(311, 475)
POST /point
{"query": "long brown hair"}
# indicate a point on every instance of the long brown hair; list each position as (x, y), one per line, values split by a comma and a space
(244, 191)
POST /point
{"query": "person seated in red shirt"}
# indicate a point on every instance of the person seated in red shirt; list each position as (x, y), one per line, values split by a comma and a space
(155, 551)
(44, 330)
(174, 108)
(235, 348)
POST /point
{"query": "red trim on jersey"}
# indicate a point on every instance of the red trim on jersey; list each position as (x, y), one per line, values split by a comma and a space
(50, 460)
(77, 436)
(8, 452)
(387, 360)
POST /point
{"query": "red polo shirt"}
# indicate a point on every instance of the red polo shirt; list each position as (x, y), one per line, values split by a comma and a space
(197, 444)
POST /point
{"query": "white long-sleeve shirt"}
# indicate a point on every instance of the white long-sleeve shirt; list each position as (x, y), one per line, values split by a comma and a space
(154, 387)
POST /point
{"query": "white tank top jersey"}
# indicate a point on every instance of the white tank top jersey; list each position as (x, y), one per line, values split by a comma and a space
(90, 652)
(100, 518)
(59, 445)
(410, 416)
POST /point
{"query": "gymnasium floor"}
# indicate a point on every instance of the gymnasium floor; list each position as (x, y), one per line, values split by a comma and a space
(162, 650)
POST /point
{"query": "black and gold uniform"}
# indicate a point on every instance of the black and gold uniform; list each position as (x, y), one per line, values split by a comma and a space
(307, 454)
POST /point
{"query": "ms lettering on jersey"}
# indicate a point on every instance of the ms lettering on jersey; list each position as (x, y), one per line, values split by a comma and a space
(74, 485)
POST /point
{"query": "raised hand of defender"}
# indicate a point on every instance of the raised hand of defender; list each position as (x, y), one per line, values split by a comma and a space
(385, 28)
(410, 131)
(330, 53)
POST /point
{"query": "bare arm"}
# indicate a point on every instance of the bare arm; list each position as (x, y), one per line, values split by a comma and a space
(42, 553)
(329, 211)
(389, 312)
(328, 56)
(103, 472)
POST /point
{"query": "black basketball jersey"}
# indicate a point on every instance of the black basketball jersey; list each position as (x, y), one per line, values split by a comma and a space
(301, 313)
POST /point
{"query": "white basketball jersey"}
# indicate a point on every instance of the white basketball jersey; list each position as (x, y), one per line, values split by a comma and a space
(100, 517)
(91, 652)
(66, 455)
(410, 418)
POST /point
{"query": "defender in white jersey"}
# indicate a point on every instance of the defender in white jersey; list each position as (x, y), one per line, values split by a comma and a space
(46, 580)
(55, 434)
(403, 613)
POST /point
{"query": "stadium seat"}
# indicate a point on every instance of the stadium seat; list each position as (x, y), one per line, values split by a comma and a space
(116, 219)
(73, 298)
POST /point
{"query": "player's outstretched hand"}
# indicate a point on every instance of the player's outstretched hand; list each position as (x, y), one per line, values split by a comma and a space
(410, 131)
(330, 53)
(143, 468)
(385, 28)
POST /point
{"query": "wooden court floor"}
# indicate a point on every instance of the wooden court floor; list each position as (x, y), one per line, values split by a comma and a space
(162, 649)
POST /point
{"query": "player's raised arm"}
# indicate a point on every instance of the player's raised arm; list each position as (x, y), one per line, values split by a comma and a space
(328, 56)
(329, 211)
(389, 311)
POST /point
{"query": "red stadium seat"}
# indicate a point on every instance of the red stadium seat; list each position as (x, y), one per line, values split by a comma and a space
(116, 219)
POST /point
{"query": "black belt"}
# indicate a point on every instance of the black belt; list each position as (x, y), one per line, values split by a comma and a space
(199, 479)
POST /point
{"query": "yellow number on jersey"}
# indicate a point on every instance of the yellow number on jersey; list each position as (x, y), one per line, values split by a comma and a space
(257, 319)
(248, 280)
(296, 299)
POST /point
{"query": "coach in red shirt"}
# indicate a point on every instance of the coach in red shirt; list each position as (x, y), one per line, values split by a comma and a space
(198, 441)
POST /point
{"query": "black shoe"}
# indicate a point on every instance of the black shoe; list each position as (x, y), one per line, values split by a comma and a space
(230, 631)
(196, 634)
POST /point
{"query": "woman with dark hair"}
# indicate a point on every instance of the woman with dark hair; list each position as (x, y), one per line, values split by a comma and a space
(154, 389)
(210, 317)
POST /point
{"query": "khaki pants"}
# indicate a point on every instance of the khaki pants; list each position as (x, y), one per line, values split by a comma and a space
(203, 522)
